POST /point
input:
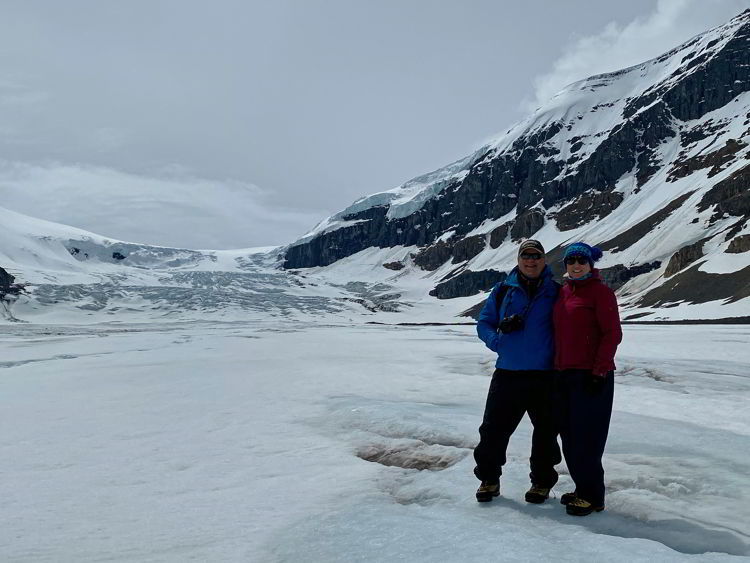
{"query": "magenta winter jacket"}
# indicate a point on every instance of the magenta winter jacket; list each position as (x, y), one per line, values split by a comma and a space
(587, 326)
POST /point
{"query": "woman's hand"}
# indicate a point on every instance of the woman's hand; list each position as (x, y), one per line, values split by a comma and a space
(594, 383)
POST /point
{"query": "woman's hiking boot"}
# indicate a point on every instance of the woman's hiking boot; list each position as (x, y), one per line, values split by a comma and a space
(567, 498)
(488, 490)
(580, 507)
(537, 494)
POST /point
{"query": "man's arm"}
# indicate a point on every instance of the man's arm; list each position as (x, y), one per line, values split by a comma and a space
(488, 320)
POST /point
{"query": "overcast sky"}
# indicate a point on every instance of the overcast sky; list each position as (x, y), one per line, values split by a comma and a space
(308, 104)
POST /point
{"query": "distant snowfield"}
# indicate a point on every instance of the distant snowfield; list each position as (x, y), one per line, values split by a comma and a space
(238, 441)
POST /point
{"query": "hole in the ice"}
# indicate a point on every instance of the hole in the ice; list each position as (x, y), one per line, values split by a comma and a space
(411, 456)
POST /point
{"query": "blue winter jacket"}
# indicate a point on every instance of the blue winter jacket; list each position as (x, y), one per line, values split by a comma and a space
(532, 348)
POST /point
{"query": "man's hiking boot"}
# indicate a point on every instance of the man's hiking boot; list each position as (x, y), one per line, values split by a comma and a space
(488, 490)
(567, 498)
(537, 494)
(580, 507)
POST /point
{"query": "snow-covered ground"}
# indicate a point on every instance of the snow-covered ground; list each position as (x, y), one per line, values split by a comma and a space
(242, 441)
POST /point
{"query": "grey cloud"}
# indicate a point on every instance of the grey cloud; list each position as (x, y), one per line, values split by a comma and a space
(319, 102)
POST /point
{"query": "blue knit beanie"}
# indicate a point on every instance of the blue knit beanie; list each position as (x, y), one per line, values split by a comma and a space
(591, 253)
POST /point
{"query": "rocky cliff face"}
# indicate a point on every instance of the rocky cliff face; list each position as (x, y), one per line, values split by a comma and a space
(6, 280)
(613, 159)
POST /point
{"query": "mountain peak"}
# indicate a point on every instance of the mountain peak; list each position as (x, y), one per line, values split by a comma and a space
(649, 161)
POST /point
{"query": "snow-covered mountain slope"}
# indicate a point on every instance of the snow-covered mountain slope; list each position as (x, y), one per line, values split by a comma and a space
(74, 276)
(650, 163)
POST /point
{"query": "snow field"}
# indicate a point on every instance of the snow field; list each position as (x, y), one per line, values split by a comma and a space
(250, 442)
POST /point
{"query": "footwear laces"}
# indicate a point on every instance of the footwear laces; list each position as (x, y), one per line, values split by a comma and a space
(537, 490)
(580, 503)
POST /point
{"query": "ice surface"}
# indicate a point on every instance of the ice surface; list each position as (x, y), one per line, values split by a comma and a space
(249, 441)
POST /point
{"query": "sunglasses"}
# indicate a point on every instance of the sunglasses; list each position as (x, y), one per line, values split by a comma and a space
(570, 260)
(531, 256)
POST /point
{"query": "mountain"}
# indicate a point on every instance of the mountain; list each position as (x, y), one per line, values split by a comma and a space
(650, 163)
(73, 276)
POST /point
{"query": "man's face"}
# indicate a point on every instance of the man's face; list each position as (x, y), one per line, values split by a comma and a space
(531, 263)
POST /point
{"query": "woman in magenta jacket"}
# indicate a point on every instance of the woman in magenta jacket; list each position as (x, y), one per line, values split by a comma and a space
(587, 332)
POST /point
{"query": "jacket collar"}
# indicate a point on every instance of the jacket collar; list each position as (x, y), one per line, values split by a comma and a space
(514, 278)
(581, 283)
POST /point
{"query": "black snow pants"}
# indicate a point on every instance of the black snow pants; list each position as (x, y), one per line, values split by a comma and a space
(585, 411)
(511, 395)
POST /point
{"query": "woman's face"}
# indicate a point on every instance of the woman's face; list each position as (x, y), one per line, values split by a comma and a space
(577, 266)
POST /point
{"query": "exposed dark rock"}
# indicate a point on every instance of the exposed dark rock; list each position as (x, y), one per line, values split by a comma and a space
(683, 258)
(468, 283)
(731, 196)
(739, 244)
(473, 311)
(467, 248)
(454, 272)
(118, 256)
(394, 265)
(498, 234)
(706, 83)
(587, 207)
(694, 286)
(699, 133)
(8, 287)
(641, 229)
(636, 316)
(6, 280)
(531, 170)
(736, 228)
(715, 160)
(526, 224)
(432, 257)
(618, 275)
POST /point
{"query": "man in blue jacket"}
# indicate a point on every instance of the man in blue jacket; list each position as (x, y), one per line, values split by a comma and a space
(516, 323)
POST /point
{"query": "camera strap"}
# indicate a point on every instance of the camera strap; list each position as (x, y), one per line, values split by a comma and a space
(507, 299)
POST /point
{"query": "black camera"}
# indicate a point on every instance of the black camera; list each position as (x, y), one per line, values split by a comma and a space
(511, 324)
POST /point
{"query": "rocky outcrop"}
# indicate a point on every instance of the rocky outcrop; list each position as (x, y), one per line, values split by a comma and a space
(432, 257)
(731, 196)
(694, 286)
(467, 248)
(683, 258)
(739, 244)
(498, 234)
(468, 283)
(394, 265)
(588, 207)
(526, 224)
(529, 175)
(618, 275)
(715, 161)
(6, 280)
(638, 231)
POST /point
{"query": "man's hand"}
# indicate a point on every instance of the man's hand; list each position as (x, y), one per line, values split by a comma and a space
(511, 324)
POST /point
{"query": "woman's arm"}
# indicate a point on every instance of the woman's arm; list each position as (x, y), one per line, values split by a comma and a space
(608, 318)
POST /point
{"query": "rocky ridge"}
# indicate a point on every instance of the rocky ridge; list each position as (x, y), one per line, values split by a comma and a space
(650, 163)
